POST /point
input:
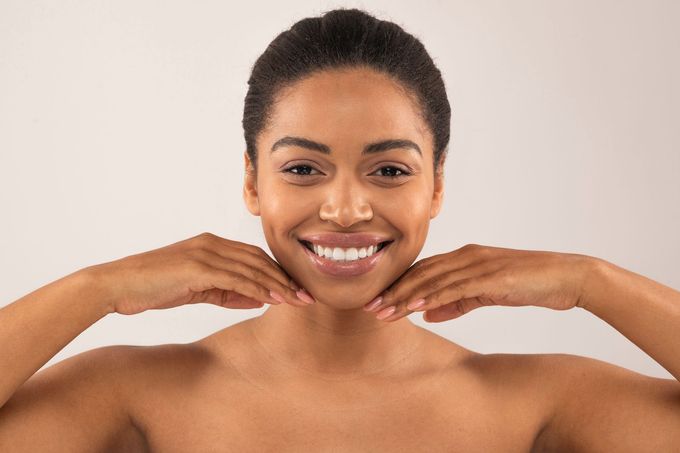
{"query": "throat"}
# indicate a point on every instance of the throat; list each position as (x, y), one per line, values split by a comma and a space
(301, 346)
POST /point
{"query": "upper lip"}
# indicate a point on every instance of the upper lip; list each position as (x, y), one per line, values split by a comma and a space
(344, 240)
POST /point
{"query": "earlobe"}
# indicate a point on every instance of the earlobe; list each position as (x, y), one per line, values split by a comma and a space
(250, 187)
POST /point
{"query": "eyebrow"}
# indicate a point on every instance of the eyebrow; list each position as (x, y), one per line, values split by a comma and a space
(377, 147)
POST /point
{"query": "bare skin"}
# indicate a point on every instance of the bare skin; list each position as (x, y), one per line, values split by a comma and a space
(327, 376)
(297, 191)
(440, 397)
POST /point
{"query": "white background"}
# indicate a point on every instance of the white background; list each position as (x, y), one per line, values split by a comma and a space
(120, 132)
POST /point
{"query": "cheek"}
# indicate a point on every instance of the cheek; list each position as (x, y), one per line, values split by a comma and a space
(282, 210)
(409, 213)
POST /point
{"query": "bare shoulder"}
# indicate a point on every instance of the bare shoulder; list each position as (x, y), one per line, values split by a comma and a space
(88, 390)
(599, 406)
(573, 403)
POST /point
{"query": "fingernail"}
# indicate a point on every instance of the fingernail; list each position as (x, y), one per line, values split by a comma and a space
(277, 297)
(386, 313)
(416, 304)
(373, 304)
(305, 297)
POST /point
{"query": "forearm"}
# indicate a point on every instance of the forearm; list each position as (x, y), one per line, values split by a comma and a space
(643, 310)
(37, 326)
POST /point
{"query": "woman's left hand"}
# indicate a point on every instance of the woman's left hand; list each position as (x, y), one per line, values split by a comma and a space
(455, 283)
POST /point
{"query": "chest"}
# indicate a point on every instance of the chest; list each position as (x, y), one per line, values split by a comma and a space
(341, 418)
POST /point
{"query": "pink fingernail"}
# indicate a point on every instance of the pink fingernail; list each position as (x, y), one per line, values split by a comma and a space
(277, 297)
(372, 305)
(416, 304)
(386, 313)
(305, 297)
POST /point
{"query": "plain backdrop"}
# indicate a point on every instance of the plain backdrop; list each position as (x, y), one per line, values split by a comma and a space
(120, 132)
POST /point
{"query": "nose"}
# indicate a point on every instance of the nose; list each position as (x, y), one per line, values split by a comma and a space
(345, 203)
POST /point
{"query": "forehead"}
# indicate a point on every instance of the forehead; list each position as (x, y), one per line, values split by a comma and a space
(358, 105)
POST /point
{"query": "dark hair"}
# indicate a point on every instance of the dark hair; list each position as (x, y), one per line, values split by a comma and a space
(339, 39)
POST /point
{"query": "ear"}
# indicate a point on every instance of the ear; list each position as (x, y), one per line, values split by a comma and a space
(438, 192)
(250, 187)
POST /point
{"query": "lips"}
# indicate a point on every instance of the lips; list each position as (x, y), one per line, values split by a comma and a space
(345, 268)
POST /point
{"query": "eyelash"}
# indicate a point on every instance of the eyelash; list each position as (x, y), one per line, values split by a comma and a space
(404, 172)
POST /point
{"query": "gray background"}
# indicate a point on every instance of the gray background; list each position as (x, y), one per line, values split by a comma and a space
(120, 132)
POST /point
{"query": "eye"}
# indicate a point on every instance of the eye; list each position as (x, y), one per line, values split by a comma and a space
(300, 173)
(392, 171)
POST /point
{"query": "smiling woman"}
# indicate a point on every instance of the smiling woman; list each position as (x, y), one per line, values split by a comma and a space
(346, 125)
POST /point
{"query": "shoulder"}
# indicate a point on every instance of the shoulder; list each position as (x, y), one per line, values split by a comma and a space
(163, 368)
(598, 406)
(89, 390)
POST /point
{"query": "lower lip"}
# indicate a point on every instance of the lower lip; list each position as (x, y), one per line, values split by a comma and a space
(345, 268)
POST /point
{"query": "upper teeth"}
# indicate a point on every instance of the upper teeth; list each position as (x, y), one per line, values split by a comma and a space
(340, 254)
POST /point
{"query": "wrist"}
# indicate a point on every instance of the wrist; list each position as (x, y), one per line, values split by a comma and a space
(90, 283)
(595, 274)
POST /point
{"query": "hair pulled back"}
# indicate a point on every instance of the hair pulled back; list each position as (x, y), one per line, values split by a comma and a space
(341, 39)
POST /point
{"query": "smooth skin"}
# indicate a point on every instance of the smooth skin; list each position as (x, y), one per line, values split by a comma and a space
(330, 375)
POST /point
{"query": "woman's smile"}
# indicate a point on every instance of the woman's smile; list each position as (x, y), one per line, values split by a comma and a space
(344, 262)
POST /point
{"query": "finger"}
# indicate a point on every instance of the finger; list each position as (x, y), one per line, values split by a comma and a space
(256, 274)
(238, 254)
(247, 252)
(403, 306)
(453, 310)
(464, 286)
(418, 276)
(235, 282)
(475, 288)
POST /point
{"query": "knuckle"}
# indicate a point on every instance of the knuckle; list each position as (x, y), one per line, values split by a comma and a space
(204, 240)
(263, 260)
(460, 308)
(258, 275)
(433, 300)
(460, 285)
(474, 248)
(437, 282)
(419, 272)
(206, 236)
(484, 251)
(197, 254)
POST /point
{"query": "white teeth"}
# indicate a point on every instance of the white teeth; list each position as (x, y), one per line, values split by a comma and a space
(340, 254)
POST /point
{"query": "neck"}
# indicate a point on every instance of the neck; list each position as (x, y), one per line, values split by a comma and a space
(324, 341)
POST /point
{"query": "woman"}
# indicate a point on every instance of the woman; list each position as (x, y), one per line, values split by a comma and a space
(347, 124)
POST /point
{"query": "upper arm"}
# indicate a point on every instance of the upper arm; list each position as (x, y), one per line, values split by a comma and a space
(604, 407)
(75, 405)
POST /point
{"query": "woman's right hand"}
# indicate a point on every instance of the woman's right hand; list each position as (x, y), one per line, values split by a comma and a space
(204, 268)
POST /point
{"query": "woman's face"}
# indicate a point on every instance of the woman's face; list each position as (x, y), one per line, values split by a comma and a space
(300, 191)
